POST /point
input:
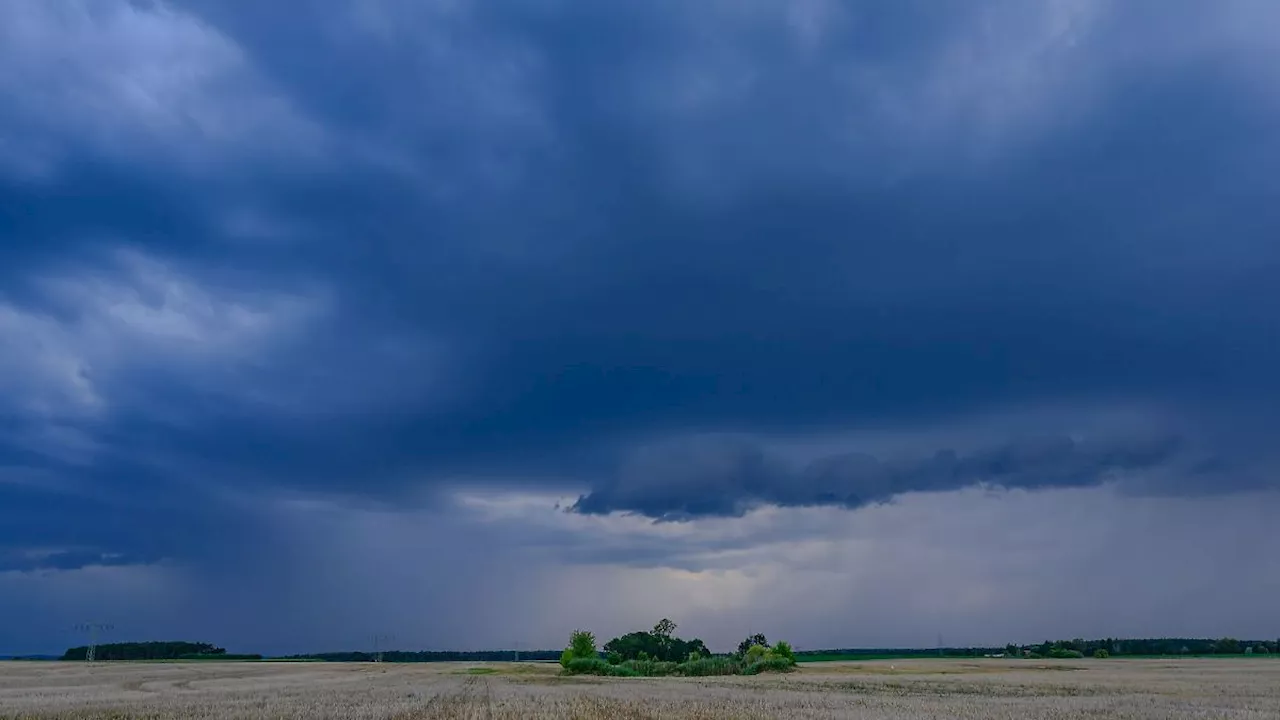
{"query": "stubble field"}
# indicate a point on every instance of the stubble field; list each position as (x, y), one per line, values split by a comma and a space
(1026, 690)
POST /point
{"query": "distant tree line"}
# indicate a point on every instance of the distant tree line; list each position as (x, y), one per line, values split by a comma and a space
(661, 646)
(1070, 648)
(172, 650)
(1149, 646)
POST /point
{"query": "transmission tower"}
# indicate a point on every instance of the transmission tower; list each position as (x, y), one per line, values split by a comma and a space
(93, 629)
(379, 642)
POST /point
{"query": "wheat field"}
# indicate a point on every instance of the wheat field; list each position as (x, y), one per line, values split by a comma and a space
(1025, 690)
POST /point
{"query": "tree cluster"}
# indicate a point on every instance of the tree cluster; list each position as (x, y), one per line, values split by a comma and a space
(659, 652)
(659, 644)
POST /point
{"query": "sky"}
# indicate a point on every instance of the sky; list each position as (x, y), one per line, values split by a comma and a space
(474, 322)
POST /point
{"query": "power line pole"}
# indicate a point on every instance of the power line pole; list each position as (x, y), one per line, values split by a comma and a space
(93, 629)
(379, 641)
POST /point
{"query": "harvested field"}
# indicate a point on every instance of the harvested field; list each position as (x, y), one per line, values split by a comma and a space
(1025, 690)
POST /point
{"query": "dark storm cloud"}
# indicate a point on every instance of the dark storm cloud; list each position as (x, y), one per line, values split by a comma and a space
(728, 476)
(407, 242)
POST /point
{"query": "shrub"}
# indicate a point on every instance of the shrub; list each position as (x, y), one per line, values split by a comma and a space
(704, 667)
(783, 649)
(613, 657)
(1065, 653)
(755, 653)
(596, 666)
(770, 664)
(650, 668)
(566, 658)
(1101, 653)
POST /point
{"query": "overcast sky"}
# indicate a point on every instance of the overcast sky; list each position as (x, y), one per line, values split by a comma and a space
(477, 321)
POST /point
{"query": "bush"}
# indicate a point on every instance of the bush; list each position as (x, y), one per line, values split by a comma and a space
(650, 668)
(613, 657)
(596, 666)
(1101, 653)
(705, 667)
(566, 658)
(783, 649)
(755, 653)
(770, 664)
(1065, 654)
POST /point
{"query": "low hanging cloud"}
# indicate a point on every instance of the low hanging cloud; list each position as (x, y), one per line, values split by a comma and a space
(729, 476)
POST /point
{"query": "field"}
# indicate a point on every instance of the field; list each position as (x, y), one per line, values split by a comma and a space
(883, 690)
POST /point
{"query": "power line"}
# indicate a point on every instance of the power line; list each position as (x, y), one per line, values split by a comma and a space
(93, 629)
(380, 640)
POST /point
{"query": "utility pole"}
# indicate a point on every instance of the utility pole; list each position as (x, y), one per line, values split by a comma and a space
(379, 641)
(93, 629)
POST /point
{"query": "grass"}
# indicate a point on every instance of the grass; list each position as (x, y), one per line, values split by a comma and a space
(877, 690)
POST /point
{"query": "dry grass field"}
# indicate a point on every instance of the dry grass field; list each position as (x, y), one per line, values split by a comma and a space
(1025, 690)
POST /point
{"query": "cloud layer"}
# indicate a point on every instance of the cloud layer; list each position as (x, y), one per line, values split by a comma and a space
(728, 476)
(366, 264)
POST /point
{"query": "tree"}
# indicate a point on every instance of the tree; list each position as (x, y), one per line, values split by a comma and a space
(582, 644)
(632, 645)
(660, 644)
(782, 649)
(757, 639)
(1227, 646)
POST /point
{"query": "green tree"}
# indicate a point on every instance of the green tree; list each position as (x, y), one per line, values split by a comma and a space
(757, 639)
(782, 649)
(1227, 646)
(582, 644)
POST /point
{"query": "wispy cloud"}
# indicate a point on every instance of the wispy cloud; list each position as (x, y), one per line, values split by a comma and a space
(120, 79)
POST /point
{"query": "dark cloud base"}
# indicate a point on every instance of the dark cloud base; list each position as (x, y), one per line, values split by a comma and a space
(728, 477)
